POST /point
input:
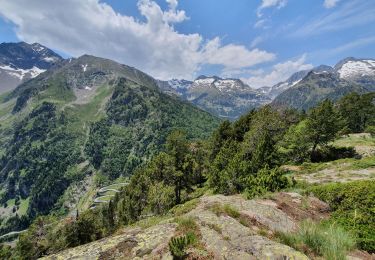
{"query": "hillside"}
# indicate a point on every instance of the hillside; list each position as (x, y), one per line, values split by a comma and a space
(86, 120)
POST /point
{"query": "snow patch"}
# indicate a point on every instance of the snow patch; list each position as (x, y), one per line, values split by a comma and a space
(49, 59)
(357, 68)
(296, 82)
(206, 81)
(84, 67)
(21, 73)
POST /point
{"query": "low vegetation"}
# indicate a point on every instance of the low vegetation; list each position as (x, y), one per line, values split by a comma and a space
(320, 239)
(353, 208)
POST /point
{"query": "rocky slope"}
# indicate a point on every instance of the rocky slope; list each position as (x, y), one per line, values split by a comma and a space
(22, 61)
(248, 236)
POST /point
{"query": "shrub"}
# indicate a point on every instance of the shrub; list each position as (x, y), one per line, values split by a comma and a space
(266, 180)
(178, 245)
(331, 153)
(353, 205)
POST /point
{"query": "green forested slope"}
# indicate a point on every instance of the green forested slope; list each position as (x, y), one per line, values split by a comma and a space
(83, 110)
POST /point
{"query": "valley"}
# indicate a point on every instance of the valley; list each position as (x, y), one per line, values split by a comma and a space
(99, 160)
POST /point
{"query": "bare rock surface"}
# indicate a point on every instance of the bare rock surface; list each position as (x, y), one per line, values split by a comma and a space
(248, 236)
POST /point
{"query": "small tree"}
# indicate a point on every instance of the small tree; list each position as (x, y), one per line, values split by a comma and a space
(322, 124)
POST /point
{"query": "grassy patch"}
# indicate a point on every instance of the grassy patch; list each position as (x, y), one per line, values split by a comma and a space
(225, 210)
(24, 205)
(323, 239)
(181, 209)
(354, 140)
(186, 225)
(150, 221)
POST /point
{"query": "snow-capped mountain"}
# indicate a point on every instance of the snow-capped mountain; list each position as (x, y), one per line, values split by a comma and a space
(227, 98)
(293, 80)
(348, 75)
(22, 61)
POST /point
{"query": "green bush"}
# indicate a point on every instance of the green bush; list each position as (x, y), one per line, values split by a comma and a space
(353, 207)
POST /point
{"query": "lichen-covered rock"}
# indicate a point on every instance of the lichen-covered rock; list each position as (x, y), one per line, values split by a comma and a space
(246, 236)
(134, 243)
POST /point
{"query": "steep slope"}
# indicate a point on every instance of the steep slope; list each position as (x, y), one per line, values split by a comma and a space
(349, 75)
(22, 61)
(226, 98)
(82, 118)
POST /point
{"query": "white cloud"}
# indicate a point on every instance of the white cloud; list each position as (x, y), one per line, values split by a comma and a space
(330, 3)
(280, 72)
(352, 13)
(270, 3)
(153, 45)
(233, 56)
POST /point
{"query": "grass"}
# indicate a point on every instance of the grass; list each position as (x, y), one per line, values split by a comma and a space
(150, 221)
(225, 210)
(186, 224)
(181, 209)
(24, 205)
(341, 164)
(320, 239)
(354, 140)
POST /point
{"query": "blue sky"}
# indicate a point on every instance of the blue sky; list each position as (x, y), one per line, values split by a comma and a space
(260, 41)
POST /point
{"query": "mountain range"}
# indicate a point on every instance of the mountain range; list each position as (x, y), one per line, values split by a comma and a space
(229, 98)
(226, 98)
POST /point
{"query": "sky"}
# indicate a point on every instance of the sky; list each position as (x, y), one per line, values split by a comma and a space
(260, 41)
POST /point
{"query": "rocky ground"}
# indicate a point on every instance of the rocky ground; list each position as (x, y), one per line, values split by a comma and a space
(247, 236)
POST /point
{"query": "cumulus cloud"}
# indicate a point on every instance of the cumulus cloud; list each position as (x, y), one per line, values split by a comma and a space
(280, 72)
(233, 56)
(330, 3)
(153, 45)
